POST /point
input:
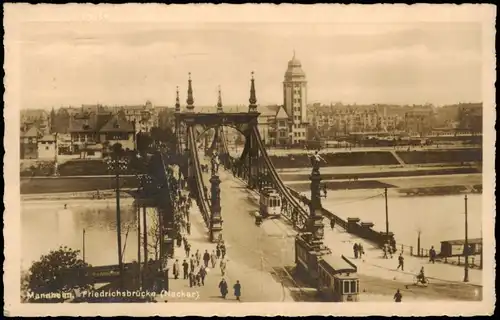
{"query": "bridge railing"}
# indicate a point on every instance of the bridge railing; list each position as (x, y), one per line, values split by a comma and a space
(276, 178)
(198, 178)
(326, 213)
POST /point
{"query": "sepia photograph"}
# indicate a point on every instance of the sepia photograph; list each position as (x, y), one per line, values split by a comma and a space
(218, 156)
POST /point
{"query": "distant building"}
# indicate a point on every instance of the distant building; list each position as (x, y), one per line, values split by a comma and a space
(144, 116)
(295, 100)
(29, 143)
(47, 147)
(106, 129)
(38, 118)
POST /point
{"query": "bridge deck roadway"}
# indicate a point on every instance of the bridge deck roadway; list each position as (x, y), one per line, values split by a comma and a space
(257, 254)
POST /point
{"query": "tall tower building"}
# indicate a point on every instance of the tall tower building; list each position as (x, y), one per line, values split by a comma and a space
(295, 100)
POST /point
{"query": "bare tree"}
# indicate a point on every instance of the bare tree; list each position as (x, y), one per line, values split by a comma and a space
(153, 235)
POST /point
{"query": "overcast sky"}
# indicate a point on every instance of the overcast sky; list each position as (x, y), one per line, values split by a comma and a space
(74, 63)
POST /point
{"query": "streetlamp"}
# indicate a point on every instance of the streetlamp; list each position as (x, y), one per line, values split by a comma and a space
(466, 247)
(116, 164)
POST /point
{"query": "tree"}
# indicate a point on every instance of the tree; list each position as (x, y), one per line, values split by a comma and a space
(144, 141)
(55, 276)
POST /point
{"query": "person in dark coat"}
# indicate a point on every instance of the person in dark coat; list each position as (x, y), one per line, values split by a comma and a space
(203, 274)
(188, 249)
(401, 262)
(192, 279)
(360, 250)
(237, 290)
(398, 296)
(223, 250)
(217, 251)
(355, 248)
(176, 269)
(206, 258)
(188, 227)
(223, 288)
(192, 263)
(332, 224)
(185, 268)
(432, 255)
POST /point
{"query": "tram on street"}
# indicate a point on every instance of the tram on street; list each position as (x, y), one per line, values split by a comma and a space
(270, 203)
(338, 280)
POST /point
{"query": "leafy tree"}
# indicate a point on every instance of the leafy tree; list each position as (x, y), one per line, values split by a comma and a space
(57, 273)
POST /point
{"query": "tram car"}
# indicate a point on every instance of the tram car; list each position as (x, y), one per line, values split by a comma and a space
(270, 203)
(337, 279)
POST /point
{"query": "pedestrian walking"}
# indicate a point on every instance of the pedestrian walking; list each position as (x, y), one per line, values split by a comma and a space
(188, 227)
(203, 274)
(361, 251)
(389, 249)
(192, 263)
(332, 224)
(223, 288)
(213, 259)
(198, 257)
(222, 266)
(188, 249)
(185, 268)
(398, 297)
(217, 251)
(179, 240)
(385, 248)
(237, 290)
(206, 258)
(192, 279)
(355, 249)
(223, 250)
(401, 262)
(432, 255)
(176, 269)
(198, 279)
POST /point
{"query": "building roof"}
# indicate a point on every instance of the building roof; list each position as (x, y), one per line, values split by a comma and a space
(105, 122)
(281, 113)
(294, 69)
(48, 138)
(117, 123)
(33, 132)
(34, 114)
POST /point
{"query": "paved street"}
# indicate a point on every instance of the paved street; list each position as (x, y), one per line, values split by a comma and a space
(254, 253)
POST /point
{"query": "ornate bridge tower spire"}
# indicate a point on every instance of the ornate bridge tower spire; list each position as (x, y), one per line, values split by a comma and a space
(177, 103)
(219, 102)
(253, 99)
(190, 99)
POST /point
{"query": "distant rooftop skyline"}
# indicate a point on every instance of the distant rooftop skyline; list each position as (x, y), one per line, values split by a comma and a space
(111, 63)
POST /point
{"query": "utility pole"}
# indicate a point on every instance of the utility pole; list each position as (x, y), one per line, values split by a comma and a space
(118, 216)
(145, 236)
(83, 245)
(139, 242)
(386, 215)
(466, 247)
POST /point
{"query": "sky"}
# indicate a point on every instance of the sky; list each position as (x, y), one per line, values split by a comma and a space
(116, 63)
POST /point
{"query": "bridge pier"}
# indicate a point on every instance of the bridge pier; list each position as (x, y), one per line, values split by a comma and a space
(309, 247)
(215, 219)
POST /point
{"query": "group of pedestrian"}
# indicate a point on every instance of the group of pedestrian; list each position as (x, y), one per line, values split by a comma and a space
(358, 250)
(223, 287)
(388, 250)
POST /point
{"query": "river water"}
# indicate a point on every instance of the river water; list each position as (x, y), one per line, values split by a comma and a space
(46, 224)
(438, 218)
